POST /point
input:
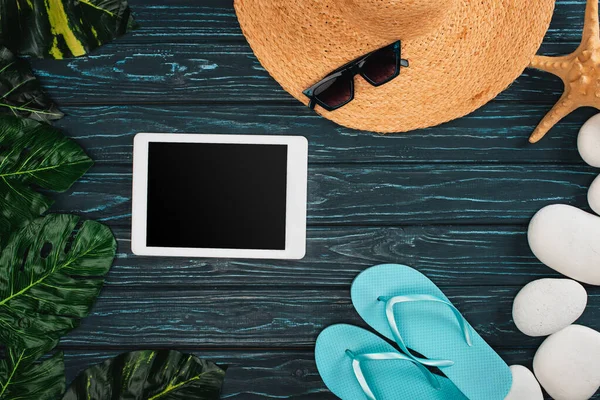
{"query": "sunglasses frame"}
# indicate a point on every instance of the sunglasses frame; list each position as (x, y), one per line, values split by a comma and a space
(351, 69)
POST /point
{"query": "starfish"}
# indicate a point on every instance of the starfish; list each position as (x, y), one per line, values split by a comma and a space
(579, 71)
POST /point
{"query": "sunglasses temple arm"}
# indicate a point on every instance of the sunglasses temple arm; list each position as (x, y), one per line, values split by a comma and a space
(312, 103)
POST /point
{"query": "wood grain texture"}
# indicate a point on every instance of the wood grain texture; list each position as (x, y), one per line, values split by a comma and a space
(211, 20)
(453, 201)
(256, 374)
(193, 51)
(232, 317)
(469, 255)
(259, 375)
(250, 374)
(194, 72)
(497, 133)
(371, 195)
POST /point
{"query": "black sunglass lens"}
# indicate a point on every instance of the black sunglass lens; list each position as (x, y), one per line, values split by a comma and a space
(381, 66)
(335, 92)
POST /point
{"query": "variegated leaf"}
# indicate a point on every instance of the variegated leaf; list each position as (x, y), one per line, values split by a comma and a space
(61, 28)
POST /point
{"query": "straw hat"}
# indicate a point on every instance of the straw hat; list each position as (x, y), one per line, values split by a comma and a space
(462, 53)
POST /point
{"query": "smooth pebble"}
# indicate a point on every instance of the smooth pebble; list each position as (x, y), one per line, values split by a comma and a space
(565, 238)
(594, 195)
(588, 141)
(546, 306)
(524, 385)
(567, 364)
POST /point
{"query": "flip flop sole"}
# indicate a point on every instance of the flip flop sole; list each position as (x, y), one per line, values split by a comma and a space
(389, 379)
(431, 329)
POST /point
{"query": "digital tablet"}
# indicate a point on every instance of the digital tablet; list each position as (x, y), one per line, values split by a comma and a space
(233, 196)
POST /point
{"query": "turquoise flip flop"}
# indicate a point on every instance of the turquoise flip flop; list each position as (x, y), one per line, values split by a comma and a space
(355, 364)
(403, 305)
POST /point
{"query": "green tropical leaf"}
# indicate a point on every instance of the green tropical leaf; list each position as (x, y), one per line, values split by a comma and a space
(20, 92)
(62, 28)
(33, 154)
(149, 375)
(25, 380)
(51, 272)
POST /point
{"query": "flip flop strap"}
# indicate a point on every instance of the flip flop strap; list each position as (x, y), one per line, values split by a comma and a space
(392, 301)
(358, 372)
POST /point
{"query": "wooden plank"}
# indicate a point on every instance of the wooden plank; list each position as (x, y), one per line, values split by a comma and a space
(259, 373)
(496, 133)
(181, 20)
(228, 317)
(207, 72)
(263, 374)
(381, 194)
(250, 374)
(471, 255)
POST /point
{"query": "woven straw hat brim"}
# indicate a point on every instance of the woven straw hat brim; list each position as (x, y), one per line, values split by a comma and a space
(477, 51)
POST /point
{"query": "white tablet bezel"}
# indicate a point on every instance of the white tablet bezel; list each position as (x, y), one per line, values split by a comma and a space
(297, 169)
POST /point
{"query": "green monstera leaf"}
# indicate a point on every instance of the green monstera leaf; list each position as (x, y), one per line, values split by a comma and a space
(33, 154)
(22, 379)
(151, 375)
(51, 272)
(20, 92)
(61, 28)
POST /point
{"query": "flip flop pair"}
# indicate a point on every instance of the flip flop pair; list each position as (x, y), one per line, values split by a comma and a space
(407, 308)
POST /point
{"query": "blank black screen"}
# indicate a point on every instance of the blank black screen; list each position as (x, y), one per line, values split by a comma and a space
(204, 195)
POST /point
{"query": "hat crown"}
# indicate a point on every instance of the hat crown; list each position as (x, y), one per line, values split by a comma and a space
(395, 19)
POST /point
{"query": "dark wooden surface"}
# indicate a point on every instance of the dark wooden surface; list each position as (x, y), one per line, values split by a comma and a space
(453, 201)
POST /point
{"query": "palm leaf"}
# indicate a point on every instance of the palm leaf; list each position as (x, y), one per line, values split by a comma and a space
(152, 375)
(50, 275)
(25, 380)
(20, 92)
(33, 154)
(62, 28)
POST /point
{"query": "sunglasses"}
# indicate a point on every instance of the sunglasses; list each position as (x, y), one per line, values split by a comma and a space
(337, 88)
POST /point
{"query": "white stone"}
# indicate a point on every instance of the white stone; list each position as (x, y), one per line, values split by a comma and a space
(594, 195)
(567, 240)
(567, 364)
(588, 141)
(546, 306)
(524, 385)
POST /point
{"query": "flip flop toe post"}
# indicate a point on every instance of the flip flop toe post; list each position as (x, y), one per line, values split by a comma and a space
(406, 307)
(356, 365)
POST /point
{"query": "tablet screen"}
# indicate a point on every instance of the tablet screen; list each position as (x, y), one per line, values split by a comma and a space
(214, 195)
